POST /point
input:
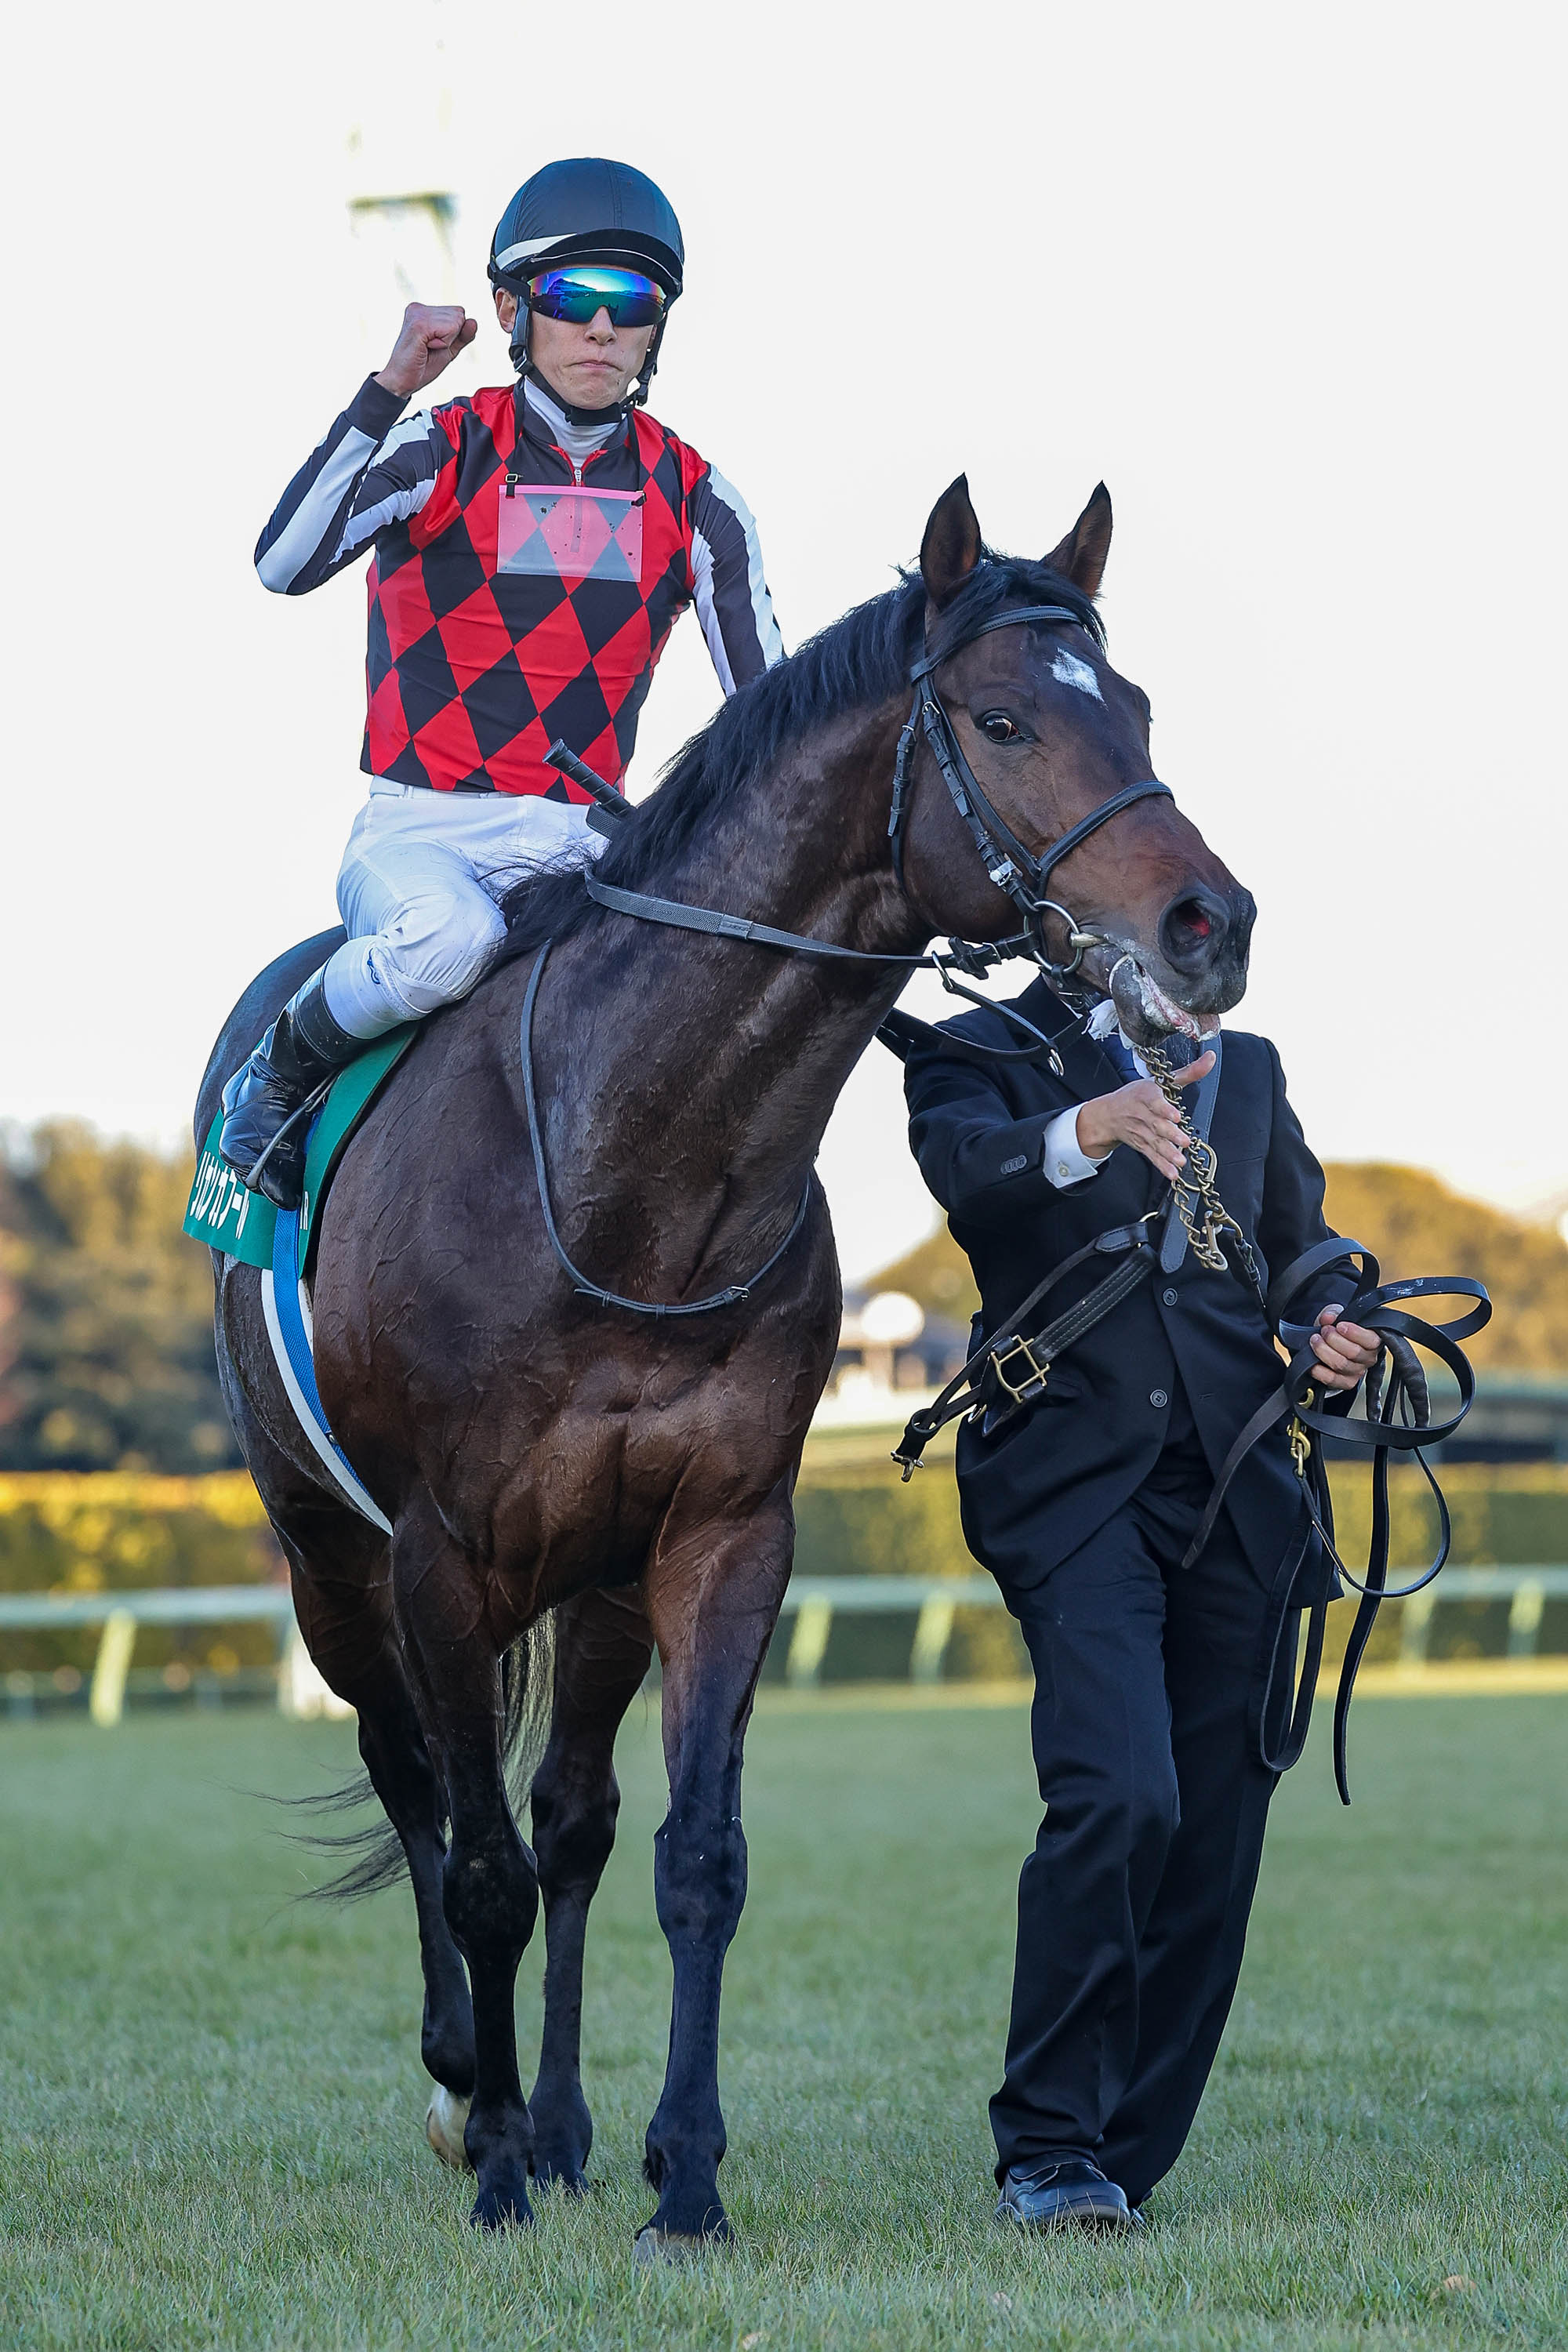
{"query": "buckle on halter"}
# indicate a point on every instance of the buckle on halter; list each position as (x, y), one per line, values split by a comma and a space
(1018, 1352)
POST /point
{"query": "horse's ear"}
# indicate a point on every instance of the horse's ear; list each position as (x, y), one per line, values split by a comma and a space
(1081, 556)
(951, 547)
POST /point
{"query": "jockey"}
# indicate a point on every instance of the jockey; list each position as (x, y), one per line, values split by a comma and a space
(530, 548)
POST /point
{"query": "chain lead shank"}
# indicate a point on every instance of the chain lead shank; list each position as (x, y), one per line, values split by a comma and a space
(1195, 1191)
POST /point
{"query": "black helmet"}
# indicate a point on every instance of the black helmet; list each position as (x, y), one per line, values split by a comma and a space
(586, 208)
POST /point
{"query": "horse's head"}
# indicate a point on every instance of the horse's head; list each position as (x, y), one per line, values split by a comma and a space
(1050, 733)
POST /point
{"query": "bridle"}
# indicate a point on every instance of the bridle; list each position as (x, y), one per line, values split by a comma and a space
(1017, 871)
(1013, 868)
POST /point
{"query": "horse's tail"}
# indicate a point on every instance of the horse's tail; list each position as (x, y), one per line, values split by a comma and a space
(528, 1675)
(528, 1700)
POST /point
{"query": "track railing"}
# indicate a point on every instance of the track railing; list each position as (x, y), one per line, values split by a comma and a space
(812, 1601)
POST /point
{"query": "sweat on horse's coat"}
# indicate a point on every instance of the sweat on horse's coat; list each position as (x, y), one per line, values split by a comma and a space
(538, 1453)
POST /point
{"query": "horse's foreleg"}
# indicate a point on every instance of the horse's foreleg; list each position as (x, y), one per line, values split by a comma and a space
(489, 1888)
(713, 1597)
(603, 1644)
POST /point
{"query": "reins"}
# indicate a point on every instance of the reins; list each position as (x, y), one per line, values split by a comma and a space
(1398, 1421)
(731, 1295)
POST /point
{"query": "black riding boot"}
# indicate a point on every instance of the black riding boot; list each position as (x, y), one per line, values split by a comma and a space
(303, 1047)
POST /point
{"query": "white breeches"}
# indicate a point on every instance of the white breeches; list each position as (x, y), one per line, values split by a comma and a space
(418, 892)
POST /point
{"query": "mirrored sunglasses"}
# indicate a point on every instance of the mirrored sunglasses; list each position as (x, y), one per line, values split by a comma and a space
(580, 293)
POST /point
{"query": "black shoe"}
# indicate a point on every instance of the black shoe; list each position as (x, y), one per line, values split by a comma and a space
(303, 1047)
(1072, 2194)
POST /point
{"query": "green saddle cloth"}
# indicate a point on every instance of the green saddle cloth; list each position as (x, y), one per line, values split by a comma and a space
(221, 1212)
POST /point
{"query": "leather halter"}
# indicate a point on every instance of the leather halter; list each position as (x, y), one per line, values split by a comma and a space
(1012, 868)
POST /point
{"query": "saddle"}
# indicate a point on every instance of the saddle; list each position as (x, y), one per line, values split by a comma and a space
(243, 1224)
(281, 1244)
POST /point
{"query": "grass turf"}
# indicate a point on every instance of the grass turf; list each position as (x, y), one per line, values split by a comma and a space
(212, 2101)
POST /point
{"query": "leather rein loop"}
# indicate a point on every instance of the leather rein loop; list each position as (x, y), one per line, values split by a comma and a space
(1398, 1421)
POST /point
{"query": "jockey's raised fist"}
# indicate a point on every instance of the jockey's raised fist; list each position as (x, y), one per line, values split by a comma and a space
(433, 334)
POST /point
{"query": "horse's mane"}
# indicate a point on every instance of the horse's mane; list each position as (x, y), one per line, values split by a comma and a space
(858, 660)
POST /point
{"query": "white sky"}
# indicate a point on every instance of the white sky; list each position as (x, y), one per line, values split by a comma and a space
(1289, 278)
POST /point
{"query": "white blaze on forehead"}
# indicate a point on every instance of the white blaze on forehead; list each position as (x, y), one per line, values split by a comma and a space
(1073, 672)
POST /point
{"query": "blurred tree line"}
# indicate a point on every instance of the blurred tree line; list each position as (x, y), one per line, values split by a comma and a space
(106, 1346)
(106, 1353)
(1415, 1224)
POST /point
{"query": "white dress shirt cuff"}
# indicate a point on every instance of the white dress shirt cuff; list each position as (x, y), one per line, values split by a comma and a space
(1063, 1162)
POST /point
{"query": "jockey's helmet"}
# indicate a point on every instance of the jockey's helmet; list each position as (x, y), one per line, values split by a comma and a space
(586, 208)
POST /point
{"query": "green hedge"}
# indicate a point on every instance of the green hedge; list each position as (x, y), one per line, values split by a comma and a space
(115, 1533)
(60, 1532)
(855, 1518)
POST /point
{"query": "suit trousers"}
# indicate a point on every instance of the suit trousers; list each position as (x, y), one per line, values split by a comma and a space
(1133, 1908)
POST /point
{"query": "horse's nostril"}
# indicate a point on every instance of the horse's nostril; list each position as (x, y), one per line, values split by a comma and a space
(1194, 927)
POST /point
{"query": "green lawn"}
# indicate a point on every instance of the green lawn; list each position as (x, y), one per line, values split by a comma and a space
(211, 2131)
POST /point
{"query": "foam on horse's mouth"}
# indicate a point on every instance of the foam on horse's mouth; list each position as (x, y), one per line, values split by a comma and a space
(1139, 999)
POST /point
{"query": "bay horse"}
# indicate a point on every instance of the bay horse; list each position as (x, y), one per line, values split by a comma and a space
(537, 1449)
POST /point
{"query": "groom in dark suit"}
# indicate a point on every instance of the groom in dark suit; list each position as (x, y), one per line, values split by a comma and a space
(1133, 1908)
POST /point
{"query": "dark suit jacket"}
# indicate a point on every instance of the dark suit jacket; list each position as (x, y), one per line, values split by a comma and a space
(1050, 1479)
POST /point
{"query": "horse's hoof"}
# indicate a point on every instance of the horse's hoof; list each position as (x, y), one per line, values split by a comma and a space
(651, 2246)
(503, 2207)
(444, 2121)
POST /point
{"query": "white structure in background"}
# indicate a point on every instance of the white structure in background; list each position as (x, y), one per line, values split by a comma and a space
(878, 1386)
(301, 1693)
(399, 186)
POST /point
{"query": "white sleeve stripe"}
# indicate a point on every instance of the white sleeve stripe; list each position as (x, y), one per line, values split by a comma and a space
(303, 537)
(708, 612)
(302, 534)
(767, 627)
(420, 427)
(396, 508)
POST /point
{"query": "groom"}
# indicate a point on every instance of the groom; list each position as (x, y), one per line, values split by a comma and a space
(1149, 1709)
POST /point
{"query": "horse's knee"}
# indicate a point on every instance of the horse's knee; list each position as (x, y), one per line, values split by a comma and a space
(700, 1877)
(490, 1893)
(574, 1831)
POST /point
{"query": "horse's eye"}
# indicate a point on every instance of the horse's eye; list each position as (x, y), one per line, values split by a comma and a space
(997, 728)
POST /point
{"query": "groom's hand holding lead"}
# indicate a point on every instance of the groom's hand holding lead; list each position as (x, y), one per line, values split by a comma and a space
(1143, 1116)
(1140, 1114)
